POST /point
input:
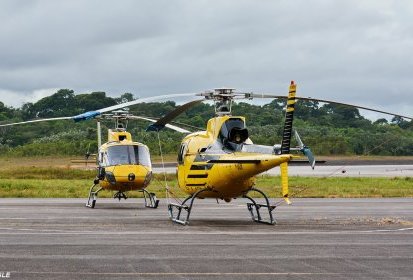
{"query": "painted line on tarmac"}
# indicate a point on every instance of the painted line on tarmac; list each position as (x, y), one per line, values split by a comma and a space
(387, 230)
(175, 273)
(28, 231)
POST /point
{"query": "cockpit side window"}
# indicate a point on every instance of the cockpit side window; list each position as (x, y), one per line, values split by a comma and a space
(182, 152)
(104, 159)
(100, 158)
(144, 156)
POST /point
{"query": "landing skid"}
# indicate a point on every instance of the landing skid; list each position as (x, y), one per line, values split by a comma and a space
(150, 198)
(91, 201)
(254, 209)
(176, 215)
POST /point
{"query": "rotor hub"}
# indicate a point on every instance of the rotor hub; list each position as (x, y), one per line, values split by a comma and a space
(120, 117)
(223, 98)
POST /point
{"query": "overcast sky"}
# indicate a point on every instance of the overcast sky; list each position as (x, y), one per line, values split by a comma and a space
(351, 51)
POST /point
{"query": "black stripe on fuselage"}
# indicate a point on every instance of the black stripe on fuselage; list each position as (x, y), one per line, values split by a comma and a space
(197, 176)
(201, 166)
(195, 185)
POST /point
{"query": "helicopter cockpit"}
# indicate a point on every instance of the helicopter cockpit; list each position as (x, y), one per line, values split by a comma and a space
(233, 134)
(126, 155)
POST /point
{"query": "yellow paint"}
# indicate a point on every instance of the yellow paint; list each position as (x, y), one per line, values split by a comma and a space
(284, 181)
(231, 179)
(291, 94)
(292, 90)
(122, 172)
(226, 180)
(116, 136)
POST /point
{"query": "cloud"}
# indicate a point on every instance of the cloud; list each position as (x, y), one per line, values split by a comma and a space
(350, 51)
(16, 98)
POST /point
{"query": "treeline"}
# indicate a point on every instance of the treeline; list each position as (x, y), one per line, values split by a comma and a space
(328, 129)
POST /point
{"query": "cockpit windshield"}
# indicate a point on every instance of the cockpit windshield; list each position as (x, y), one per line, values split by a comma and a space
(128, 154)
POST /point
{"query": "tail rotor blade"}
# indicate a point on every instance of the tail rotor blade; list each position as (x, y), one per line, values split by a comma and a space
(297, 137)
(305, 150)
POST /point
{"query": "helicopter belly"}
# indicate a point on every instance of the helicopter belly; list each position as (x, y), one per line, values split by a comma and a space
(228, 176)
(126, 178)
(221, 179)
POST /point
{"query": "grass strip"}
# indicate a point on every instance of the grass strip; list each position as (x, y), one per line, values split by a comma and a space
(39, 182)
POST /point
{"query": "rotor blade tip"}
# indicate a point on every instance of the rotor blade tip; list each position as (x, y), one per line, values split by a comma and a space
(86, 116)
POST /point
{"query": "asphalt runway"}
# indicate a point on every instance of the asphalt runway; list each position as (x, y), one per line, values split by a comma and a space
(313, 239)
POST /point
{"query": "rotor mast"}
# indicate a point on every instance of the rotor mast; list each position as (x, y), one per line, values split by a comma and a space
(99, 132)
(223, 101)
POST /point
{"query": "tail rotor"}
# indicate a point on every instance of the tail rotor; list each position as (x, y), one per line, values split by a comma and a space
(305, 150)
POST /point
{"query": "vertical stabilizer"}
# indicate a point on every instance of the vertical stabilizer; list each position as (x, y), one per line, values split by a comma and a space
(288, 123)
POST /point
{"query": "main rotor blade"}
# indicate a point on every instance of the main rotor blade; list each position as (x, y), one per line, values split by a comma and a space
(161, 123)
(193, 127)
(92, 114)
(142, 100)
(255, 95)
(173, 127)
(35, 121)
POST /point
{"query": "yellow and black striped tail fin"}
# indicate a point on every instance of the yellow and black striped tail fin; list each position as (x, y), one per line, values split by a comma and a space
(288, 123)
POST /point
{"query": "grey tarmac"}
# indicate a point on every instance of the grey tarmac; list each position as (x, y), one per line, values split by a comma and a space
(313, 239)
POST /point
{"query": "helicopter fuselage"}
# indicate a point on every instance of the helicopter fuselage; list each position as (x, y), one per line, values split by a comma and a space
(123, 165)
(222, 160)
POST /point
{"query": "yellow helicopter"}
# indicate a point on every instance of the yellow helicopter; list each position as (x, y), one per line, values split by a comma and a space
(123, 164)
(222, 161)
